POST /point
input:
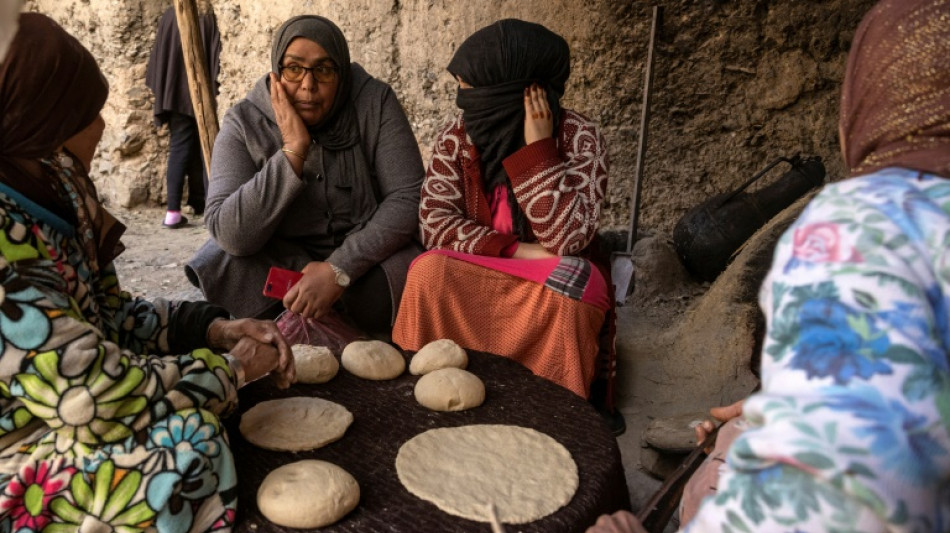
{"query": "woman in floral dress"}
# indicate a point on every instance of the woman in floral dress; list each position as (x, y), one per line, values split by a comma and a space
(851, 430)
(94, 435)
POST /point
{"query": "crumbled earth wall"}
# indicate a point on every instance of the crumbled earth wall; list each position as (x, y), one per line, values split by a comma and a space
(736, 82)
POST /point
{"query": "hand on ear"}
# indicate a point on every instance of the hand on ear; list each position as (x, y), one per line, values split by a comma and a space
(538, 119)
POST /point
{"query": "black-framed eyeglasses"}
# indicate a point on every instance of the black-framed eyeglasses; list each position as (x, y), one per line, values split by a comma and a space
(323, 73)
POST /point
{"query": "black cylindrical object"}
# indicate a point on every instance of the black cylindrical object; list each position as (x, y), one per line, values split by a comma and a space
(707, 235)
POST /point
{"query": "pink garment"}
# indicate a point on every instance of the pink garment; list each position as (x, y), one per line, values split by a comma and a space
(500, 211)
(501, 220)
(536, 270)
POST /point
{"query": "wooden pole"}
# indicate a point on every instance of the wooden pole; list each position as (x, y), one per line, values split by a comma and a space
(199, 84)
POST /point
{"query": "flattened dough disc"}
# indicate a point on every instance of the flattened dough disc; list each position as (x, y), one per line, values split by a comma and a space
(295, 424)
(526, 474)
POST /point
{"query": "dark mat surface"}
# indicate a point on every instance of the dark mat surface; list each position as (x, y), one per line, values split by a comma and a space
(386, 415)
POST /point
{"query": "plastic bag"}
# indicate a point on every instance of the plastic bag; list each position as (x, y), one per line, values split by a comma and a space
(330, 330)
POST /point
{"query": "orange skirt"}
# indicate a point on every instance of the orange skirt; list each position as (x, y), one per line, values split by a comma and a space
(481, 309)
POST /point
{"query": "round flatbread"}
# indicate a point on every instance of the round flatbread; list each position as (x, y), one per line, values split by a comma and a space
(450, 389)
(295, 424)
(314, 364)
(443, 353)
(526, 474)
(375, 360)
(307, 494)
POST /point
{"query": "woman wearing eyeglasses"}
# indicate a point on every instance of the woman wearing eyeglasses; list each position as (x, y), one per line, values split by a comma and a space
(318, 171)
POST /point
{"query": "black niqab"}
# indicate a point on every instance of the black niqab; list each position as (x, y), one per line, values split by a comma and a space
(500, 61)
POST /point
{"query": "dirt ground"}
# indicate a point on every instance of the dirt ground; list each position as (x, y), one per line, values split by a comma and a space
(152, 264)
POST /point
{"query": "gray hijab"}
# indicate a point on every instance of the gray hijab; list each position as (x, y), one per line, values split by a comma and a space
(340, 129)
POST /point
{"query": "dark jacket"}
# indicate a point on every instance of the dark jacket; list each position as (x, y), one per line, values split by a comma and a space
(166, 75)
(260, 214)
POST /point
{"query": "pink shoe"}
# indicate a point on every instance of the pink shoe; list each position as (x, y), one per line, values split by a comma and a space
(174, 220)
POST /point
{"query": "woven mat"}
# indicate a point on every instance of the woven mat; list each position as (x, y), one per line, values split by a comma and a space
(386, 415)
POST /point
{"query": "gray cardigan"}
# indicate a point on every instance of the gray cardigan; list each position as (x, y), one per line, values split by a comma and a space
(261, 214)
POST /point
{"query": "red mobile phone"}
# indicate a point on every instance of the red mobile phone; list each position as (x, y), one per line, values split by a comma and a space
(279, 281)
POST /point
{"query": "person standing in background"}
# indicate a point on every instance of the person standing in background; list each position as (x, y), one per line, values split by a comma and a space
(168, 80)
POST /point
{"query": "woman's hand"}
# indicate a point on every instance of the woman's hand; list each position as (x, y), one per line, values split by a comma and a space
(538, 119)
(293, 131)
(258, 358)
(315, 293)
(619, 522)
(723, 415)
(227, 335)
(531, 250)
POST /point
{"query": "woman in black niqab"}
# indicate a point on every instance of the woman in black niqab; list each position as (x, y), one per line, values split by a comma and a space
(500, 61)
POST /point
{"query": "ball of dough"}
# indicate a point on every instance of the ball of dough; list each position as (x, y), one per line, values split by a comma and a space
(307, 494)
(443, 353)
(450, 389)
(373, 360)
(314, 364)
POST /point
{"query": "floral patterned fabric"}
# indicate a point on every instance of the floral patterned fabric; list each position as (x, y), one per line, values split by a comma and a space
(851, 431)
(93, 433)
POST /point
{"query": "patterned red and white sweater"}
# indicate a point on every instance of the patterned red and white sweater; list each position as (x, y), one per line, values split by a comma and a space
(559, 182)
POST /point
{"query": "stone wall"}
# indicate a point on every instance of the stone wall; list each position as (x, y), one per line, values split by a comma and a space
(736, 84)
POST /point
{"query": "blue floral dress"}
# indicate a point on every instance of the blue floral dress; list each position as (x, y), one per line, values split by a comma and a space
(851, 431)
(95, 432)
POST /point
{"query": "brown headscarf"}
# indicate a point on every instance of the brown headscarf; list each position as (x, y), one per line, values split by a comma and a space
(50, 90)
(895, 104)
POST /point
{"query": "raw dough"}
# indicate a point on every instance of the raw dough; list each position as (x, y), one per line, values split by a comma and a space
(307, 494)
(450, 389)
(526, 474)
(373, 360)
(314, 364)
(295, 424)
(443, 353)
